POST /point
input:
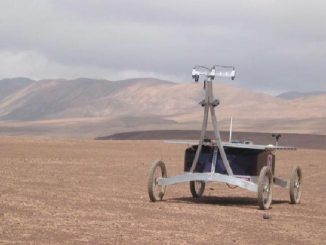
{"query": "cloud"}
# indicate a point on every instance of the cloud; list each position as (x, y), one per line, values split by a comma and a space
(275, 45)
(37, 66)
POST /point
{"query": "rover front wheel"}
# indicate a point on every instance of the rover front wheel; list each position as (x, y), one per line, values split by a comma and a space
(265, 188)
(155, 191)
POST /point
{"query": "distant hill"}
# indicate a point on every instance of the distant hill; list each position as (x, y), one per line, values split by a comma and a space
(295, 94)
(296, 140)
(57, 99)
(88, 107)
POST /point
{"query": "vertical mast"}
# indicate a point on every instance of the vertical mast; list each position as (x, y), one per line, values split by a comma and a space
(209, 103)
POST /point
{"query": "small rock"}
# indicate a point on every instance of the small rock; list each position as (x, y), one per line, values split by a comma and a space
(267, 216)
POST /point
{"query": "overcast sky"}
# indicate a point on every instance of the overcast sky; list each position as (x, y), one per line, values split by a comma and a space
(275, 45)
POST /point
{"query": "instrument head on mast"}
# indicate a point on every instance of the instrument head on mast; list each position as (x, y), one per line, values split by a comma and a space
(211, 73)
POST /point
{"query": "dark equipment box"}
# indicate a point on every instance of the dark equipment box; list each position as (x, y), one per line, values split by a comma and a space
(243, 161)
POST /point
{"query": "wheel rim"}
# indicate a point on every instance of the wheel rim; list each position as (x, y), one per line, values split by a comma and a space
(296, 186)
(156, 172)
(158, 189)
(266, 189)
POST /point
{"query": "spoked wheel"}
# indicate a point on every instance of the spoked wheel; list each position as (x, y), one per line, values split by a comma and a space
(155, 191)
(197, 188)
(296, 185)
(265, 188)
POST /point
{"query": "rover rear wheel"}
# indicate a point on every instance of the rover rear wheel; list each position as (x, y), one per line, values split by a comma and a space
(197, 188)
(296, 185)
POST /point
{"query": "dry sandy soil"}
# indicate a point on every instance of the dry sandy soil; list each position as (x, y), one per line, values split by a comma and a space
(94, 192)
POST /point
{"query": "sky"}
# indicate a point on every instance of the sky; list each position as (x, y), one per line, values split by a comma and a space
(275, 45)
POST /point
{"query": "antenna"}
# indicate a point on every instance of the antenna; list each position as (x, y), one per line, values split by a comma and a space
(230, 136)
(277, 137)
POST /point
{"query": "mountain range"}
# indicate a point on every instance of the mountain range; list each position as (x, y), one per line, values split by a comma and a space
(88, 107)
(290, 95)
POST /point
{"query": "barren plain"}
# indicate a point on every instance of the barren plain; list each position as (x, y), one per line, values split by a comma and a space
(94, 192)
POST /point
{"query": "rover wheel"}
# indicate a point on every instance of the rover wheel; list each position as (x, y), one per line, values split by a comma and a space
(197, 188)
(265, 188)
(296, 185)
(155, 191)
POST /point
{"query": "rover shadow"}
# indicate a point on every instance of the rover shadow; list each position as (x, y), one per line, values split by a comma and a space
(223, 201)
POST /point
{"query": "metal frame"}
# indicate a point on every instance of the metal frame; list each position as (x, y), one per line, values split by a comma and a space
(244, 181)
(208, 177)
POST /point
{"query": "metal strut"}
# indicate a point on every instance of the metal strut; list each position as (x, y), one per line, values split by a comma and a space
(209, 104)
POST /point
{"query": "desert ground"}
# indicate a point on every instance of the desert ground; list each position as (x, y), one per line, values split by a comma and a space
(94, 192)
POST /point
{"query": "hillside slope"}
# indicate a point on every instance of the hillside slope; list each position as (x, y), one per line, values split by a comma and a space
(101, 106)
